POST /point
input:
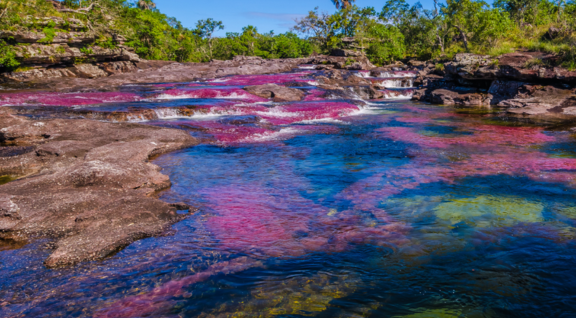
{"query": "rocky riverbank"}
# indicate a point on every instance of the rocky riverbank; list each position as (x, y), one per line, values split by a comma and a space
(522, 83)
(89, 185)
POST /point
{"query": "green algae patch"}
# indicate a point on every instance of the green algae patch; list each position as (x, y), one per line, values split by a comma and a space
(302, 296)
(483, 209)
(566, 210)
(5, 179)
(412, 205)
(434, 313)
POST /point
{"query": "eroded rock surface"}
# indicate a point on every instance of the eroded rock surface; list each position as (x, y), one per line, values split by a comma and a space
(89, 185)
(523, 83)
(276, 92)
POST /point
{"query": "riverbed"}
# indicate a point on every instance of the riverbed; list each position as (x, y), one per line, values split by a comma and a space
(325, 208)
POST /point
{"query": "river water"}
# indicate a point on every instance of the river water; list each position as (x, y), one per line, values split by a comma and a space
(327, 208)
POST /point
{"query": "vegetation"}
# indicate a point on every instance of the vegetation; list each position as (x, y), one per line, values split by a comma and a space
(398, 31)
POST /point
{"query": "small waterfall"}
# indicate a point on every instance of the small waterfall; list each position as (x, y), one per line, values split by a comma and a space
(165, 113)
(307, 67)
(389, 74)
(393, 82)
(402, 93)
(362, 73)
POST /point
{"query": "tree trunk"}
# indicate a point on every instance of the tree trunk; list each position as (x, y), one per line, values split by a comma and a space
(440, 42)
(464, 38)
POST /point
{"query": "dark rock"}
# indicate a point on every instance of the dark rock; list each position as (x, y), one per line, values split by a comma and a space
(502, 90)
(14, 151)
(278, 93)
(346, 53)
(241, 120)
(446, 97)
(364, 92)
(552, 33)
(343, 62)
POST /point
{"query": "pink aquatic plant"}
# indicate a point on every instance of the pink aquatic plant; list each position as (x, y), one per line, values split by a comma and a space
(484, 135)
(203, 93)
(158, 300)
(266, 222)
(315, 95)
(297, 112)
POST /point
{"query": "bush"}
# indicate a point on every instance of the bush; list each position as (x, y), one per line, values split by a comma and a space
(386, 45)
(8, 59)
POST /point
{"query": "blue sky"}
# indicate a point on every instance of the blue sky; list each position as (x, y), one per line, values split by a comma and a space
(265, 15)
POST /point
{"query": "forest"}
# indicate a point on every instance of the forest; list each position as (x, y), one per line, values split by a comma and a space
(397, 31)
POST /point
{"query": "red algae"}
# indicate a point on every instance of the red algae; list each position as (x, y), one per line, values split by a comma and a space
(203, 93)
(265, 222)
(483, 135)
(157, 301)
(298, 112)
(315, 95)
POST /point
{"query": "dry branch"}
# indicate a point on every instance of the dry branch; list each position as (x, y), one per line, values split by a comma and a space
(3, 13)
(81, 10)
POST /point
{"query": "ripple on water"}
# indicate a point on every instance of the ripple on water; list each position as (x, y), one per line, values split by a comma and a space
(328, 209)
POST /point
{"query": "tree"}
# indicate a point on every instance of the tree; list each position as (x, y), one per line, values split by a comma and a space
(206, 28)
(341, 4)
(146, 4)
(387, 44)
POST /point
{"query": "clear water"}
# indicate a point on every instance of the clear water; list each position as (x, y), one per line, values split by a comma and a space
(337, 209)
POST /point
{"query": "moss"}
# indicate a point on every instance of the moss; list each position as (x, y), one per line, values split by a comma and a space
(435, 313)
(6, 179)
(498, 210)
(22, 69)
(87, 50)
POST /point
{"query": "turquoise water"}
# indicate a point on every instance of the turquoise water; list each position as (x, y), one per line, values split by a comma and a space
(379, 209)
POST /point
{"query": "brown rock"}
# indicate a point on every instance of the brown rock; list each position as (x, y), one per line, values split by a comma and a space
(88, 71)
(536, 99)
(276, 92)
(446, 97)
(89, 184)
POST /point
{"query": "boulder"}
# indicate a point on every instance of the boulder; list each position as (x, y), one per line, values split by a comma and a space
(536, 99)
(552, 33)
(276, 92)
(88, 71)
(447, 97)
(346, 53)
(364, 92)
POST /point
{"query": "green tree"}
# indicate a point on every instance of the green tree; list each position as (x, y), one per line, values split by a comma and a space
(387, 44)
(205, 29)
